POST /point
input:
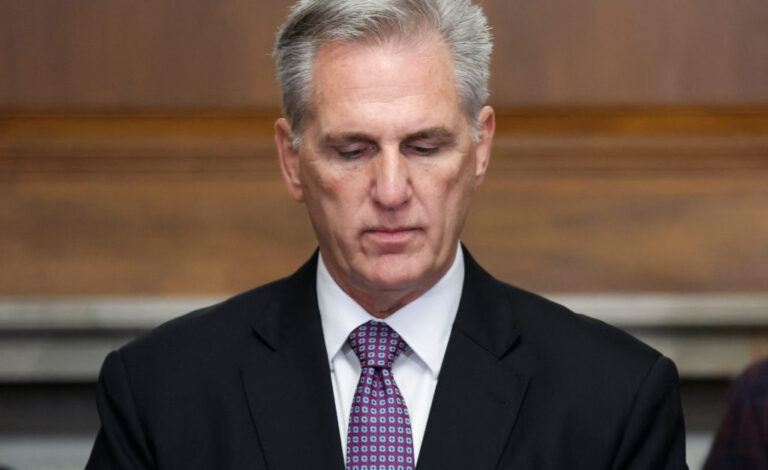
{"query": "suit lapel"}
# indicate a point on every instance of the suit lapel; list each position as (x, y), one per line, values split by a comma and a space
(479, 393)
(288, 386)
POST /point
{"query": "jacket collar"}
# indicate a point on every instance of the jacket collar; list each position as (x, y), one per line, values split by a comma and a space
(290, 394)
(485, 313)
(480, 389)
(288, 384)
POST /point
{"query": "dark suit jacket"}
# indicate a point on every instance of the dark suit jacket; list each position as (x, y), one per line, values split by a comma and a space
(525, 384)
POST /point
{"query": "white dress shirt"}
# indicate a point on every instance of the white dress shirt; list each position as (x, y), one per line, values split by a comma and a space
(425, 325)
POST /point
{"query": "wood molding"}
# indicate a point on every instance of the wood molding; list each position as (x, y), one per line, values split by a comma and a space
(645, 120)
(634, 121)
(166, 143)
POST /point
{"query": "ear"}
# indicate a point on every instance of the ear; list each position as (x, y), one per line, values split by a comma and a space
(289, 158)
(487, 121)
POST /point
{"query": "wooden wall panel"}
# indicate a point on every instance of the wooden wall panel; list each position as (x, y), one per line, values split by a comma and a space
(198, 54)
(578, 201)
(175, 54)
(155, 234)
(560, 52)
(625, 230)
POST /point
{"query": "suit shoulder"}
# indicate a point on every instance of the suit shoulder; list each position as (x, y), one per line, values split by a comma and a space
(207, 325)
(582, 362)
(556, 328)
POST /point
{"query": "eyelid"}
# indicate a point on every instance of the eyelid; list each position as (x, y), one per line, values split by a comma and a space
(422, 149)
(424, 146)
(427, 144)
(352, 149)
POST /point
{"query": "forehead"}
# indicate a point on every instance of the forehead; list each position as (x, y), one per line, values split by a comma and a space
(364, 83)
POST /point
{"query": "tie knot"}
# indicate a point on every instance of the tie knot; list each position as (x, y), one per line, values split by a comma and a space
(376, 344)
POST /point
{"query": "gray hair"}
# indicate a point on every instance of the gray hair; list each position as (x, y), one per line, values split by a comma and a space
(313, 23)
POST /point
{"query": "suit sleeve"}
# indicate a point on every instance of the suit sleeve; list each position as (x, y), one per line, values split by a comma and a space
(121, 442)
(654, 437)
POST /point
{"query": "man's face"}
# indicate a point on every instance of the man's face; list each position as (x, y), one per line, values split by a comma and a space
(387, 164)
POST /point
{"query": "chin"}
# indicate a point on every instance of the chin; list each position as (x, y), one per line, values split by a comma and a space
(396, 274)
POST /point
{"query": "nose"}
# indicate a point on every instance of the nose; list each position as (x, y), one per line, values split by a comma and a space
(391, 185)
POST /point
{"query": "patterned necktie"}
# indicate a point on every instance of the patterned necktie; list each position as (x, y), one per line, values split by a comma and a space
(379, 436)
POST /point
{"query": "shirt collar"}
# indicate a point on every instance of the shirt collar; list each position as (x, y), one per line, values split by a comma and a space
(425, 323)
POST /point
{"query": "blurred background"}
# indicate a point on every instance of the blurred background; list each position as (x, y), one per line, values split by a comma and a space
(138, 180)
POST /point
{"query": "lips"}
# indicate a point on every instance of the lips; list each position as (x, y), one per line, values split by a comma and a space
(392, 235)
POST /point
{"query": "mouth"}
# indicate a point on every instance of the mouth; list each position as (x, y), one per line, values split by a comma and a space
(392, 235)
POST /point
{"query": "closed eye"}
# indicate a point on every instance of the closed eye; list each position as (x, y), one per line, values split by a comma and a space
(423, 150)
(428, 142)
(354, 151)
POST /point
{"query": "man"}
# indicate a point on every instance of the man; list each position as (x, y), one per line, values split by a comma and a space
(391, 348)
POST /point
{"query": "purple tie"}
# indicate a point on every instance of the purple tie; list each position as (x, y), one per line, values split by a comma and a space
(379, 436)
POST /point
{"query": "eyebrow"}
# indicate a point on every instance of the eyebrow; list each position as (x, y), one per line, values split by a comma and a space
(432, 132)
(344, 138)
(347, 137)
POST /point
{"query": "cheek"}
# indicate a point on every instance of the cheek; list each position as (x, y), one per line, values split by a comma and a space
(443, 201)
(320, 184)
(456, 192)
(456, 182)
(332, 196)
